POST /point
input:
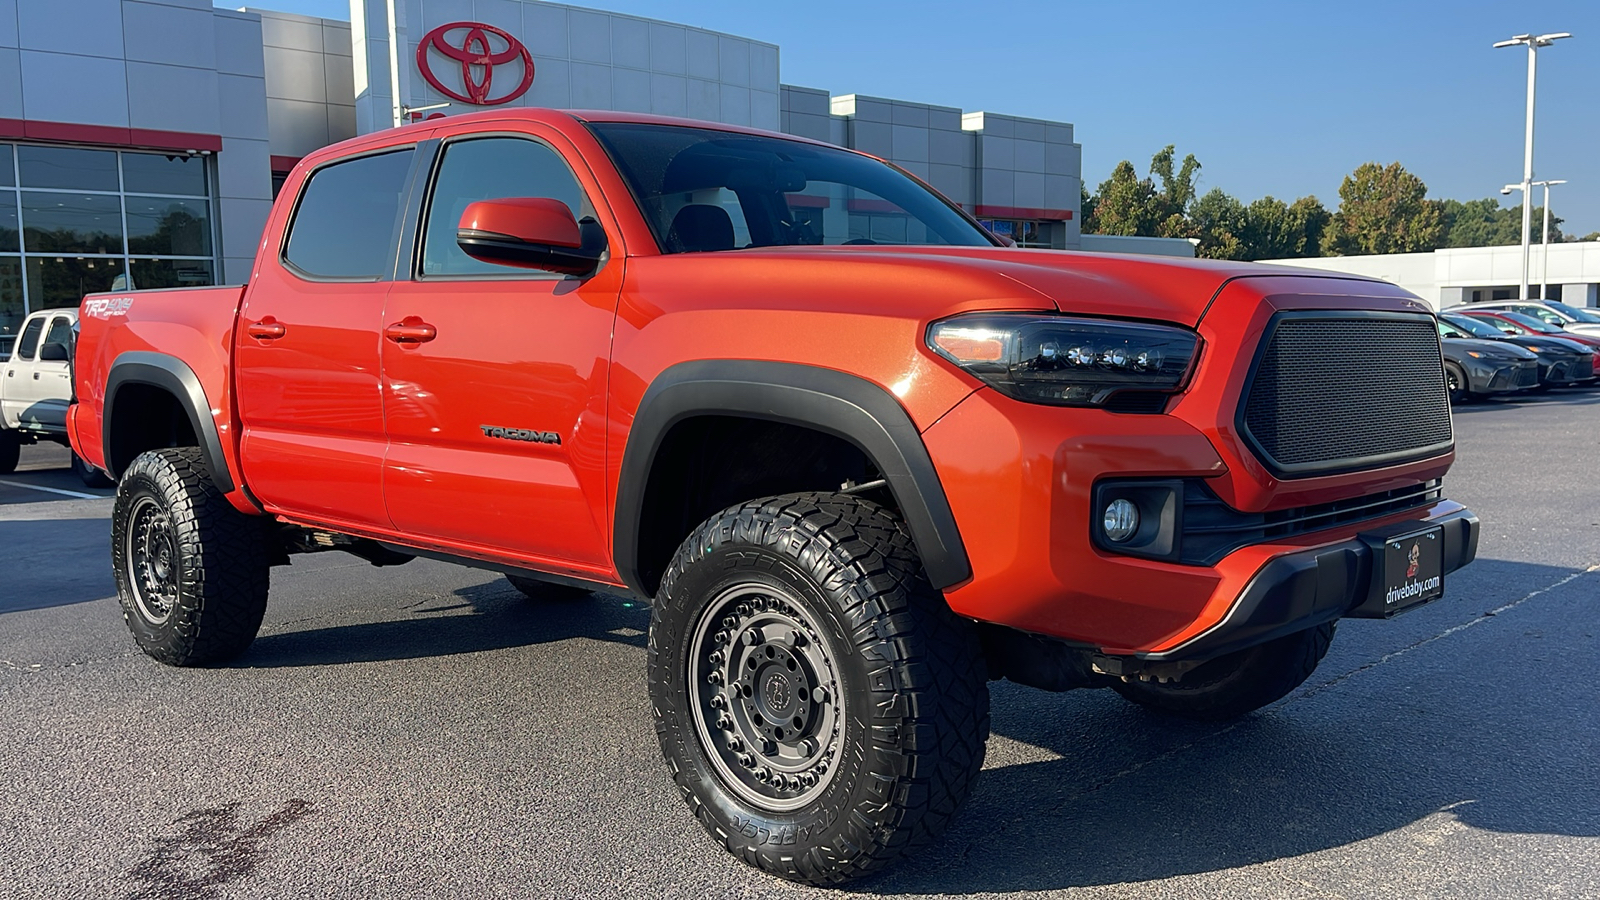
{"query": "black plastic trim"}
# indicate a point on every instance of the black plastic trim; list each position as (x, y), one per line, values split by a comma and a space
(1305, 589)
(1337, 466)
(837, 403)
(175, 377)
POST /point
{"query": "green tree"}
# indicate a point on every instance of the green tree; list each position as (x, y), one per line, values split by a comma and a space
(1485, 223)
(1219, 221)
(1383, 209)
(1591, 236)
(1277, 230)
(1124, 204)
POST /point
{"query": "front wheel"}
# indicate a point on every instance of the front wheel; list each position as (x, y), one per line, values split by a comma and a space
(191, 570)
(1455, 382)
(1236, 684)
(821, 709)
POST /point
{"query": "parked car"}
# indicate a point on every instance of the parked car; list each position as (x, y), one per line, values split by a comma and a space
(1551, 312)
(1476, 367)
(1519, 325)
(1561, 361)
(36, 388)
(859, 461)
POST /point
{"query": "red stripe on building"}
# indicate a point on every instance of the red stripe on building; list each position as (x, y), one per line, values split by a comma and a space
(1022, 212)
(108, 136)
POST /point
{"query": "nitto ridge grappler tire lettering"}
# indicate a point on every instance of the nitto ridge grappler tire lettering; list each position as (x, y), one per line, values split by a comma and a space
(1233, 685)
(191, 570)
(820, 708)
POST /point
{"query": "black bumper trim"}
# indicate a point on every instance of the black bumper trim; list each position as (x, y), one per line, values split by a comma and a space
(1305, 589)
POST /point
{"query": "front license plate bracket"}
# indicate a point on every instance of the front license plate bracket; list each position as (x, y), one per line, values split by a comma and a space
(1407, 571)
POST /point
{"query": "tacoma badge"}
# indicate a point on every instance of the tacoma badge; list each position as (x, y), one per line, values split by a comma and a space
(521, 434)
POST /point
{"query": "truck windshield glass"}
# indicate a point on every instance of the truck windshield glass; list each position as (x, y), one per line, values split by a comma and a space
(714, 190)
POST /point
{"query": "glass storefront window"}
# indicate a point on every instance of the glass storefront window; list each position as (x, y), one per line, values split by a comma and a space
(71, 223)
(77, 220)
(152, 173)
(166, 273)
(11, 310)
(9, 233)
(168, 227)
(68, 167)
(61, 281)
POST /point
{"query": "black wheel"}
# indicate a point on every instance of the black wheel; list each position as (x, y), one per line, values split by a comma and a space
(1236, 684)
(534, 589)
(1455, 382)
(89, 475)
(10, 452)
(820, 708)
(191, 570)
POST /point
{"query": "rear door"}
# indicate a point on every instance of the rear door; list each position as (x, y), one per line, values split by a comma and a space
(306, 357)
(51, 380)
(515, 353)
(16, 392)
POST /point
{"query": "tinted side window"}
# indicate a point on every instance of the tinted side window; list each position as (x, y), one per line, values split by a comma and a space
(30, 339)
(489, 169)
(60, 332)
(346, 217)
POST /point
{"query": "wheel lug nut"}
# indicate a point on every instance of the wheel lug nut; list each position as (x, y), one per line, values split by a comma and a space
(747, 760)
(807, 747)
(764, 774)
(725, 722)
(735, 743)
(716, 657)
(820, 695)
(794, 638)
(769, 747)
(719, 702)
(753, 637)
(714, 677)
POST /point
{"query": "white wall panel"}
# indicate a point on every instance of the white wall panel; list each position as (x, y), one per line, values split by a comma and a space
(84, 27)
(630, 42)
(244, 169)
(8, 23)
(552, 84)
(10, 84)
(52, 88)
(151, 92)
(630, 90)
(669, 95)
(702, 58)
(238, 44)
(242, 107)
(668, 48)
(295, 74)
(544, 29)
(764, 110)
(588, 37)
(591, 86)
(155, 32)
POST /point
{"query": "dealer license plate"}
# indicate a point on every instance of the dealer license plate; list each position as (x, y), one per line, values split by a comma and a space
(1412, 570)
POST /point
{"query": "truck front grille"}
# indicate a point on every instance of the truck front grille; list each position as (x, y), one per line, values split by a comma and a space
(1338, 391)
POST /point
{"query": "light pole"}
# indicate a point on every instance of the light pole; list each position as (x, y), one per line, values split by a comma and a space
(1534, 42)
(1544, 277)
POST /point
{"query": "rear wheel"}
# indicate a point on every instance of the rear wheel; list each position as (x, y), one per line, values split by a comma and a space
(10, 452)
(1236, 684)
(1455, 381)
(191, 570)
(821, 709)
(89, 475)
(547, 591)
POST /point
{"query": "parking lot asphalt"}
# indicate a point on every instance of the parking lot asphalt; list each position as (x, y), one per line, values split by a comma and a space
(423, 731)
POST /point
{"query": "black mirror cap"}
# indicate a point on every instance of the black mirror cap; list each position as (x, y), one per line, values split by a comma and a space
(506, 250)
(54, 351)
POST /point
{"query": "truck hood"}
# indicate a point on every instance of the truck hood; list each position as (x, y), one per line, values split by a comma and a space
(1136, 286)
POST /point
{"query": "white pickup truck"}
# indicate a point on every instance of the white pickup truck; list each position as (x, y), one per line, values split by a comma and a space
(36, 388)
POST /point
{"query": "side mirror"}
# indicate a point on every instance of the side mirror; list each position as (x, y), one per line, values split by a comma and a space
(531, 233)
(54, 351)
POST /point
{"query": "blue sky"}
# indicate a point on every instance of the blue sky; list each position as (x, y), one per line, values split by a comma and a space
(1281, 97)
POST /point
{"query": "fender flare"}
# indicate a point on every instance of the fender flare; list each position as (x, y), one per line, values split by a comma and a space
(837, 403)
(175, 377)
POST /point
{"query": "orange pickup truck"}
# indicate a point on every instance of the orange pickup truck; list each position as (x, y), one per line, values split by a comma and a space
(859, 457)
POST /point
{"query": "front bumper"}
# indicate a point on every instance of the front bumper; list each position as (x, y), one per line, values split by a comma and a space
(1301, 590)
(1503, 377)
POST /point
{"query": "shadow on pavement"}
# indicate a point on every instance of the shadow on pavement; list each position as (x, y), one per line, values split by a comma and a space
(1493, 728)
(500, 618)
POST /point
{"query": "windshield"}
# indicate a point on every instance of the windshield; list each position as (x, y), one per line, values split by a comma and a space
(1588, 317)
(1531, 323)
(1473, 326)
(715, 190)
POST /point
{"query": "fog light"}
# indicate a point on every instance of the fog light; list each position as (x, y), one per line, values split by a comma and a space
(1121, 520)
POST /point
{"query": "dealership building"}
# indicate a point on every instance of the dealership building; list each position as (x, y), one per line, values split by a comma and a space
(142, 141)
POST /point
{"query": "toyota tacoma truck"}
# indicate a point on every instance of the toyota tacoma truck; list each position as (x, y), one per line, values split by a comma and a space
(859, 457)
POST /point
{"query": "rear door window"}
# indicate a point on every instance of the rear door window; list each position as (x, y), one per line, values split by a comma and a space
(28, 346)
(60, 332)
(344, 227)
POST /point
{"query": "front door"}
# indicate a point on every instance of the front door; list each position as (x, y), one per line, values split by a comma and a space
(36, 390)
(496, 422)
(306, 353)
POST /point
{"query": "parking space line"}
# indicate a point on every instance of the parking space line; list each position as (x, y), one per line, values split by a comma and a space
(74, 494)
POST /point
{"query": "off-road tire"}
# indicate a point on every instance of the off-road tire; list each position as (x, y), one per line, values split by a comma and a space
(548, 591)
(218, 573)
(1462, 390)
(89, 475)
(912, 702)
(10, 452)
(1239, 683)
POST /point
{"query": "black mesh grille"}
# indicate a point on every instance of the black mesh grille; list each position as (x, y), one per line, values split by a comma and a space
(1583, 368)
(1342, 391)
(1528, 374)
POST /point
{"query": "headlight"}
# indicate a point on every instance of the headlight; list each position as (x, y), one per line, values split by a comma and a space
(1064, 361)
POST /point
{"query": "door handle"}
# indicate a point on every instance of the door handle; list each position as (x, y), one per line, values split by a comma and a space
(410, 330)
(36, 376)
(267, 329)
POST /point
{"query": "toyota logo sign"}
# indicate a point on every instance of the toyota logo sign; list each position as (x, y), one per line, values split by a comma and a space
(480, 51)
